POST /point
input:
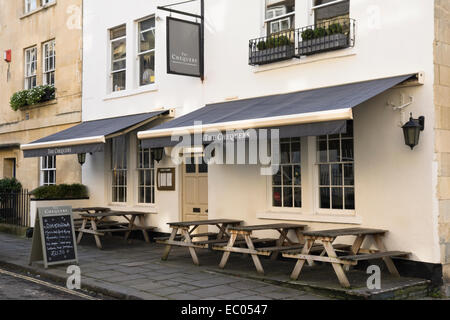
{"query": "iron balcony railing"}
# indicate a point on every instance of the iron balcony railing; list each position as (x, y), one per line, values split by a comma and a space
(15, 208)
(334, 34)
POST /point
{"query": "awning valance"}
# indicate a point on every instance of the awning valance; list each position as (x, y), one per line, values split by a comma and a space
(305, 113)
(89, 136)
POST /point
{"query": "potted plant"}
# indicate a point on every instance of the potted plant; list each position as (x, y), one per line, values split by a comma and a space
(32, 96)
(323, 39)
(274, 48)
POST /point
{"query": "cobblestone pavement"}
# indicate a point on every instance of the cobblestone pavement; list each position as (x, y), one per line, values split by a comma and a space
(136, 270)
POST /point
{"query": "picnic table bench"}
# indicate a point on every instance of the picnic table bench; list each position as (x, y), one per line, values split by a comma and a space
(96, 224)
(281, 244)
(355, 254)
(185, 239)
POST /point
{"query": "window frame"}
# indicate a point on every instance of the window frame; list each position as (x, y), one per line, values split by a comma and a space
(139, 169)
(268, 21)
(28, 3)
(317, 185)
(323, 5)
(270, 185)
(139, 53)
(45, 72)
(111, 57)
(27, 67)
(43, 167)
(46, 2)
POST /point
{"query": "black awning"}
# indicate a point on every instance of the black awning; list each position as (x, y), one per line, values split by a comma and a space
(89, 136)
(305, 113)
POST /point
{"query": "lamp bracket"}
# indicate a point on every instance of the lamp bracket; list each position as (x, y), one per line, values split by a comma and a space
(401, 107)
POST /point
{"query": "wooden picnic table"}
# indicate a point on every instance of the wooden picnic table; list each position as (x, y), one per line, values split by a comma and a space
(91, 209)
(185, 238)
(356, 253)
(96, 224)
(281, 244)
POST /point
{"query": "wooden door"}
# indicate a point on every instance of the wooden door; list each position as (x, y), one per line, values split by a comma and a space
(195, 190)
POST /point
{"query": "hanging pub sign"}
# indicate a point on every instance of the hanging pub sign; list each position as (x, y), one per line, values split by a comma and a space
(184, 48)
(54, 237)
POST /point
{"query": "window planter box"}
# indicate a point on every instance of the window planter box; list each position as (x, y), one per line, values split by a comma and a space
(327, 43)
(271, 55)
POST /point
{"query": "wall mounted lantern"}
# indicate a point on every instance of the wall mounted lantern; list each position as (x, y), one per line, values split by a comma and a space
(411, 131)
(158, 154)
(81, 158)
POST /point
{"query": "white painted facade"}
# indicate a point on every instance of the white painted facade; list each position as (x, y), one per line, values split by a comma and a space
(395, 187)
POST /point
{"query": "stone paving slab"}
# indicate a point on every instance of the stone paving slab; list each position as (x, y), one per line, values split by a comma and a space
(136, 271)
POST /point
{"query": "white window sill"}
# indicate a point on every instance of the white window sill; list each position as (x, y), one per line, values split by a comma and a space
(145, 208)
(327, 218)
(131, 92)
(38, 10)
(149, 208)
(304, 60)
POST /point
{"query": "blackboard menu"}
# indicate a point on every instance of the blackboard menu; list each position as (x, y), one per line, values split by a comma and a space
(58, 238)
(54, 236)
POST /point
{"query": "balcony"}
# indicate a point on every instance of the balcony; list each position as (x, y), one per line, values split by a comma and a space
(331, 35)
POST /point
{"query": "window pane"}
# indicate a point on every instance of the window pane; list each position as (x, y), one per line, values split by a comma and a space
(119, 65)
(275, 8)
(325, 198)
(147, 24)
(349, 133)
(119, 49)
(334, 151)
(333, 11)
(285, 153)
(147, 68)
(141, 195)
(141, 177)
(350, 198)
(322, 151)
(118, 32)
(276, 197)
(152, 190)
(336, 175)
(147, 178)
(190, 165)
(147, 195)
(287, 175)
(297, 175)
(347, 150)
(276, 179)
(296, 152)
(337, 198)
(146, 156)
(324, 175)
(146, 41)
(119, 81)
(349, 179)
(287, 197)
(298, 197)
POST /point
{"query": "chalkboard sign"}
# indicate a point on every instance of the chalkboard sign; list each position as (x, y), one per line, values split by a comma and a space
(54, 237)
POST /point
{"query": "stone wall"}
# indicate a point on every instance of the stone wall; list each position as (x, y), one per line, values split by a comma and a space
(442, 125)
(60, 21)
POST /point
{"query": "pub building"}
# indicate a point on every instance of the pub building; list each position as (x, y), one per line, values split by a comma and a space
(358, 115)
